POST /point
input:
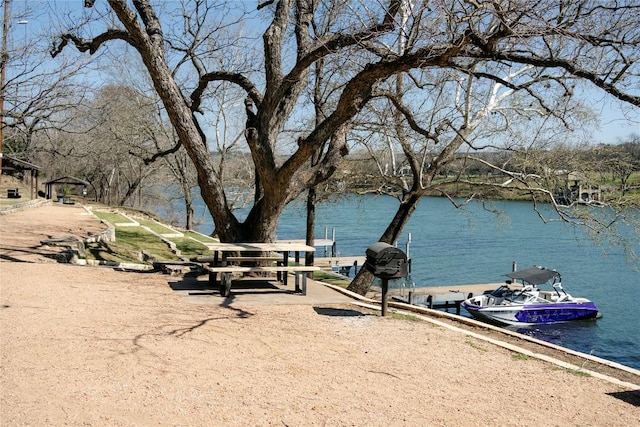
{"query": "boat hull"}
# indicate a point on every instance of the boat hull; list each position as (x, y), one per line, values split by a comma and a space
(534, 313)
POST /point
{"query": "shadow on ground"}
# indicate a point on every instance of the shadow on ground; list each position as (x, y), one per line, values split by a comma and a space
(631, 397)
(343, 312)
(243, 286)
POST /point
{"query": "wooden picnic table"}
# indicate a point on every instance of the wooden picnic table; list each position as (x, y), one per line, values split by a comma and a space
(226, 262)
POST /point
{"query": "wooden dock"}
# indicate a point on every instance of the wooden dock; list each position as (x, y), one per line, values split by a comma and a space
(326, 262)
(441, 297)
(344, 265)
(437, 297)
(475, 289)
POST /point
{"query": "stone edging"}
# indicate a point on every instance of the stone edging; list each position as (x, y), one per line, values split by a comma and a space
(24, 206)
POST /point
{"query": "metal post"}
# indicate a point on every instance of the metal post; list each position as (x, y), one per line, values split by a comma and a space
(333, 239)
(5, 57)
(326, 236)
(385, 291)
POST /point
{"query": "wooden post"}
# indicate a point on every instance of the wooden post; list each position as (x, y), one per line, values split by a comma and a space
(4, 58)
(385, 291)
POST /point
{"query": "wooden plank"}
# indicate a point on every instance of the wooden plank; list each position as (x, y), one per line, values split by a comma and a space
(254, 258)
(316, 242)
(205, 258)
(262, 269)
(260, 247)
(226, 273)
(450, 296)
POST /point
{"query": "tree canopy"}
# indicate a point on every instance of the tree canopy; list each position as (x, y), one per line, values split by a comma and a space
(267, 57)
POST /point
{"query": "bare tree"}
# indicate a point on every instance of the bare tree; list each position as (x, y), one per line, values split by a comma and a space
(36, 98)
(482, 40)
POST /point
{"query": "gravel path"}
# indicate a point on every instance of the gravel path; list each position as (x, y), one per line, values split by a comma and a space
(94, 346)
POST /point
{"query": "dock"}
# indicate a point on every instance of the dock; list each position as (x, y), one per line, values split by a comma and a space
(441, 297)
(344, 265)
(474, 289)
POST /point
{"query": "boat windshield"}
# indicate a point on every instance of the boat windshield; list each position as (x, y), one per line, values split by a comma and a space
(502, 292)
(527, 297)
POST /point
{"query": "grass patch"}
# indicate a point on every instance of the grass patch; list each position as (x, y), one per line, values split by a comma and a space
(128, 247)
(189, 247)
(578, 373)
(404, 316)
(200, 237)
(112, 217)
(113, 252)
(575, 372)
(11, 202)
(519, 356)
(323, 276)
(156, 227)
(475, 345)
(132, 241)
(140, 238)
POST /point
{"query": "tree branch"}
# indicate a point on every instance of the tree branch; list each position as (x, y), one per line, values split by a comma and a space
(84, 45)
(236, 78)
(408, 115)
(566, 65)
(156, 156)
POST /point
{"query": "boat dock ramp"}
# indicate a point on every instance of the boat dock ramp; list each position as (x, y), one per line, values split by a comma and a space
(441, 297)
(346, 266)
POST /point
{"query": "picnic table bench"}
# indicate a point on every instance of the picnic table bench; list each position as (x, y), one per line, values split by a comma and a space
(13, 193)
(232, 258)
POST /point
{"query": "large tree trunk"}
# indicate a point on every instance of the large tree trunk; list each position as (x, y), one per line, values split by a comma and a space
(188, 207)
(311, 223)
(363, 280)
(149, 42)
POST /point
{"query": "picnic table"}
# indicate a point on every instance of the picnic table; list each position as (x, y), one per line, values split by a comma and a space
(231, 258)
(13, 193)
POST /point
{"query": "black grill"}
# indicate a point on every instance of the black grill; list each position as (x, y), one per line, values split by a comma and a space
(386, 261)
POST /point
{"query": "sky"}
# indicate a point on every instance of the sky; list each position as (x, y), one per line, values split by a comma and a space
(618, 120)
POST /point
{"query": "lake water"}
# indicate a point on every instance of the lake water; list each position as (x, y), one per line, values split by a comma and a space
(452, 246)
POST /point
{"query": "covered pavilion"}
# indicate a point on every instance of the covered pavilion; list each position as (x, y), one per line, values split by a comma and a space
(63, 182)
(12, 164)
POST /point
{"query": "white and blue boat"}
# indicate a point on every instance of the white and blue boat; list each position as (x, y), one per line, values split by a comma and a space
(523, 303)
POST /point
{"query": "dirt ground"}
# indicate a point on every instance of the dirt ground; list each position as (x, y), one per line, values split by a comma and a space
(95, 346)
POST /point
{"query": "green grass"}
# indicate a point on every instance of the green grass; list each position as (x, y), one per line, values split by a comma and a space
(156, 227)
(571, 371)
(325, 277)
(128, 247)
(131, 241)
(200, 237)
(110, 251)
(136, 237)
(578, 373)
(189, 247)
(11, 202)
(403, 316)
(475, 345)
(519, 356)
(112, 217)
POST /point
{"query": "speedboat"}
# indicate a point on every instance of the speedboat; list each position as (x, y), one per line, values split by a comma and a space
(525, 304)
